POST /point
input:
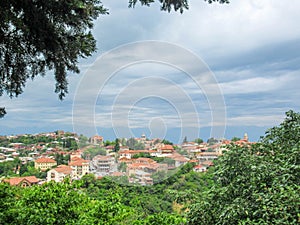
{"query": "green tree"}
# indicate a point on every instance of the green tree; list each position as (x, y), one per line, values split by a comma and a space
(212, 141)
(2, 112)
(62, 159)
(117, 145)
(92, 151)
(257, 184)
(235, 139)
(166, 142)
(82, 141)
(198, 140)
(36, 36)
(168, 5)
(122, 167)
(40, 35)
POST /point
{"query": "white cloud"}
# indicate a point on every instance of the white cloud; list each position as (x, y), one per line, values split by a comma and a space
(238, 38)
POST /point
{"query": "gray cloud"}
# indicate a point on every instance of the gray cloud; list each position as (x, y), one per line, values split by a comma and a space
(251, 46)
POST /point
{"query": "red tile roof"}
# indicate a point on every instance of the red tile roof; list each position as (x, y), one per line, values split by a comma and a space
(167, 147)
(78, 162)
(45, 160)
(63, 169)
(198, 166)
(19, 180)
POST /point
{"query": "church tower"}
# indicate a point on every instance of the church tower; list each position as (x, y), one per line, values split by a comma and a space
(246, 137)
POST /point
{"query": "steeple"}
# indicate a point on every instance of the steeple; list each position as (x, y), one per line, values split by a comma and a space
(246, 137)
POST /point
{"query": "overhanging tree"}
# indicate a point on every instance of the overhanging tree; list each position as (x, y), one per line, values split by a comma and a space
(38, 35)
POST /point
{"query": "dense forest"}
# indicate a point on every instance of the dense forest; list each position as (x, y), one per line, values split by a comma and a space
(257, 184)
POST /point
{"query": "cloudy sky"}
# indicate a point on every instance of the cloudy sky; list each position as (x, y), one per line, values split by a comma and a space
(219, 70)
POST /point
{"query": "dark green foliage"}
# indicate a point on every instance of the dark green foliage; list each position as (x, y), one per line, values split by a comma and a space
(83, 141)
(60, 203)
(168, 5)
(62, 159)
(28, 169)
(30, 139)
(235, 139)
(142, 155)
(166, 142)
(92, 151)
(198, 140)
(2, 112)
(117, 145)
(9, 168)
(258, 184)
(105, 201)
(212, 141)
(39, 35)
(70, 143)
(134, 144)
(108, 143)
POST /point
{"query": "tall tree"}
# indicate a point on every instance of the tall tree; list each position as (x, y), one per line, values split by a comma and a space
(185, 140)
(117, 145)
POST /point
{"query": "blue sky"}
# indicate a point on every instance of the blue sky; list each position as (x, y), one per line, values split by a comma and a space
(251, 48)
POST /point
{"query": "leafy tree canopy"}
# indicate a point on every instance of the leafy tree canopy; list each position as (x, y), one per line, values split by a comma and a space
(38, 35)
(168, 5)
(235, 139)
(257, 184)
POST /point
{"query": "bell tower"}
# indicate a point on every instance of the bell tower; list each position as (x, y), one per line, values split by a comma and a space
(246, 137)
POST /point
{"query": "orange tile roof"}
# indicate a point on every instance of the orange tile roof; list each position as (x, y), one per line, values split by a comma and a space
(193, 161)
(117, 174)
(102, 157)
(143, 160)
(167, 147)
(124, 159)
(45, 160)
(19, 180)
(78, 162)
(63, 169)
(198, 166)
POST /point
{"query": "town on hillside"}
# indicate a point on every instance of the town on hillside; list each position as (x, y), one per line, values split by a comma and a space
(27, 160)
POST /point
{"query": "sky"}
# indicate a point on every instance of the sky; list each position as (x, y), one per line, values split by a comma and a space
(215, 70)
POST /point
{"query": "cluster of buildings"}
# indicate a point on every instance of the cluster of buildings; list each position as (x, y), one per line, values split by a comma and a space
(48, 144)
(138, 166)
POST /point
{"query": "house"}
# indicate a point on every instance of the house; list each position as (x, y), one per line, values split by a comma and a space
(178, 159)
(76, 154)
(142, 178)
(59, 173)
(132, 169)
(199, 168)
(96, 140)
(80, 167)
(44, 164)
(166, 149)
(104, 163)
(22, 181)
(143, 160)
(207, 156)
